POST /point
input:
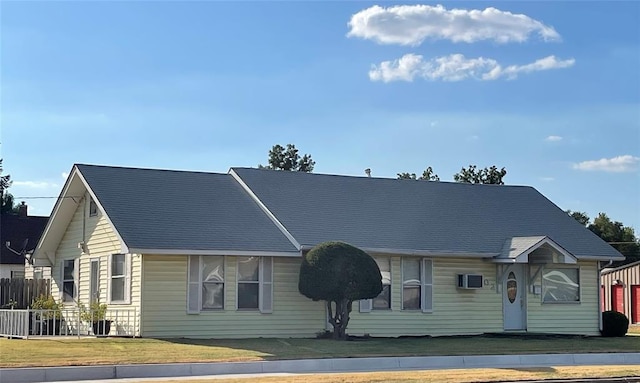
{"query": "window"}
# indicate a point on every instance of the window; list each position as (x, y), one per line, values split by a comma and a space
(212, 283)
(119, 278)
(93, 208)
(69, 280)
(411, 284)
(417, 284)
(561, 284)
(255, 283)
(383, 300)
(37, 273)
(17, 274)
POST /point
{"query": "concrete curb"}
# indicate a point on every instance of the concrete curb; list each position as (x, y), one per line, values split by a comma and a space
(84, 373)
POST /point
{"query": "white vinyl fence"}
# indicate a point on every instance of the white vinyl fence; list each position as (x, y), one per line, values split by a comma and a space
(66, 322)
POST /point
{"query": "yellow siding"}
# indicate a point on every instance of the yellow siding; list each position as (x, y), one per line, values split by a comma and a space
(101, 241)
(455, 311)
(165, 300)
(568, 318)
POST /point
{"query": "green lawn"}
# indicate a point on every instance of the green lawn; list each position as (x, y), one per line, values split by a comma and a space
(59, 352)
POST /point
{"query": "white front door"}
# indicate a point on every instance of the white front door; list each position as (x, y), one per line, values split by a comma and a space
(513, 298)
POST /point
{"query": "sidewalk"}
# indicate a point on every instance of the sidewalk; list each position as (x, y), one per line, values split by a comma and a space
(92, 373)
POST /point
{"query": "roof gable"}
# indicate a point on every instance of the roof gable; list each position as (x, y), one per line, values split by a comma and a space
(17, 229)
(176, 211)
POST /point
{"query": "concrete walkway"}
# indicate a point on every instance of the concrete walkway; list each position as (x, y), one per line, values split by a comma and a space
(92, 373)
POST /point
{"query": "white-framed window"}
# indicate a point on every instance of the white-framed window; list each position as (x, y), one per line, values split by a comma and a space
(417, 284)
(560, 284)
(93, 208)
(383, 300)
(255, 284)
(206, 279)
(69, 278)
(119, 275)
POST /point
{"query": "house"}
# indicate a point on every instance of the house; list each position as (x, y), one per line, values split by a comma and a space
(16, 229)
(209, 255)
(620, 290)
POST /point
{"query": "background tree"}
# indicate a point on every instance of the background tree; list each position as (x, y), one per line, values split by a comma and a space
(281, 158)
(621, 237)
(7, 204)
(339, 274)
(427, 175)
(473, 175)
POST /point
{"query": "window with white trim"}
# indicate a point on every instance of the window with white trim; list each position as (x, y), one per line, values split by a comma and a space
(69, 271)
(255, 283)
(205, 283)
(120, 278)
(561, 284)
(417, 284)
(383, 300)
(93, 208)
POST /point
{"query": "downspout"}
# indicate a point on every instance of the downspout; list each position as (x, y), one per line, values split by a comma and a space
(600, 292)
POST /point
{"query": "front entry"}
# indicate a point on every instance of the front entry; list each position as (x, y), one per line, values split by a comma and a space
(513, 298)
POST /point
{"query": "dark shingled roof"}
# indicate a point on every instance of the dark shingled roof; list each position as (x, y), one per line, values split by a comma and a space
(16, 229)
(415, 215)
(182, 210)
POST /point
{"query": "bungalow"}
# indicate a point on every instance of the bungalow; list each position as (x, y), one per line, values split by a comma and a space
(208, 255)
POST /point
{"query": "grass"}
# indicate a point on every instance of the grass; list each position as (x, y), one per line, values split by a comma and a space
(66, 352)
(443, 376)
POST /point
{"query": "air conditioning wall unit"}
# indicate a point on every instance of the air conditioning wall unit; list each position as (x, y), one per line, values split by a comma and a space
(470, 281)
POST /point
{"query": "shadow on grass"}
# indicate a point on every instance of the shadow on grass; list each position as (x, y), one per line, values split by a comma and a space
(487, 344)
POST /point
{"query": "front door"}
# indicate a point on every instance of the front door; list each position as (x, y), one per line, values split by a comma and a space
(513, 298)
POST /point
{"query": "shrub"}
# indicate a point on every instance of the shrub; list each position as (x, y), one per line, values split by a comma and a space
(51, 308)
(614, 323)
(96, 312)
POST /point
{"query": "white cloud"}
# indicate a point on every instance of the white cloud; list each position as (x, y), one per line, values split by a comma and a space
(456, 67)
(553, 138)
(412, 24)
(547, 179)
(65, 175)
(35, 184)
(619, 164)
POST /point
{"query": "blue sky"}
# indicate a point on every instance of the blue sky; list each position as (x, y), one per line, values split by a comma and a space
(549, 90)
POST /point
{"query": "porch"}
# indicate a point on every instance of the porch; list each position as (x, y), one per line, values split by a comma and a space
(30, 323)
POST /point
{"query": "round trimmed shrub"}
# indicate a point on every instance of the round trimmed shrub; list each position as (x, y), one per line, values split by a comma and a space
(614, 323)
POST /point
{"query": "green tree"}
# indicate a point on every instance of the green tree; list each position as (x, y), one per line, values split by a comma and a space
(7, 204)
(620, 237)
(339, 274)
(473, 175)
(579, 216)
(427, 175)
(281, 158)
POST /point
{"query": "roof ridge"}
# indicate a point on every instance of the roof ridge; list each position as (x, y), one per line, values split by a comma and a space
(378, 178)
(149, 169)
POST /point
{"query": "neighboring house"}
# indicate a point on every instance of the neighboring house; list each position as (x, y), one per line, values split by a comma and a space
(217, 255)
(620, 290)
(15, 229)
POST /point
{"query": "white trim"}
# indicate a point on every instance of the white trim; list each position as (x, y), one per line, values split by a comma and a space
(126, 280)
(523, 257)
(264, 208)
(236, 253)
